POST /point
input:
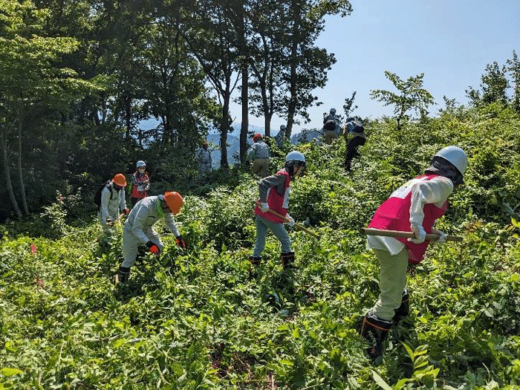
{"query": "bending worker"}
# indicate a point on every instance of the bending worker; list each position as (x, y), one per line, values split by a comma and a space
(138, 228)
(274, 195)
(414, 207)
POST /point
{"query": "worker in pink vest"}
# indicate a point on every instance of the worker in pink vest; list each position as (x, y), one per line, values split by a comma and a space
(274, 195)
(414, 207)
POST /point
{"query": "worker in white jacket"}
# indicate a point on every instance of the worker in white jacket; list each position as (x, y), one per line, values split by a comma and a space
(138, 228)
(414, 207)
(113, 202)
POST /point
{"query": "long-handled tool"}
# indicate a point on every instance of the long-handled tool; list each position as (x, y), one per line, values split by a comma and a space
(297, 226)
(397, 233)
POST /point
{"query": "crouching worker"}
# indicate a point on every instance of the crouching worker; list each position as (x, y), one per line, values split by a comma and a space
(274, 195)
(414, 207)
(138, 228)
(112, 201)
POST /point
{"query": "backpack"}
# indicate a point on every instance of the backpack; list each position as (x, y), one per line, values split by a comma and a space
(97, 197)
(330, 125)
(355, 127)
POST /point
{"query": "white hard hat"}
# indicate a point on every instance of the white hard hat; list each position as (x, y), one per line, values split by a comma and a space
(295, 156)
(456, 156)
(140, 164)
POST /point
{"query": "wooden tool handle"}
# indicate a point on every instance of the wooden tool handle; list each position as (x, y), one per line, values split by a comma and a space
(299, 227)
(397, 233)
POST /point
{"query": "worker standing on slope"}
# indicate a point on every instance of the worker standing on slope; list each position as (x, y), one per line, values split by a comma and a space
(140, 183)
(112, 201)
(414, 207)
(274, 195)
(138, 228)
(280, 136)
(331, 126)
(260, 154)
(204, 158)
(354, 134)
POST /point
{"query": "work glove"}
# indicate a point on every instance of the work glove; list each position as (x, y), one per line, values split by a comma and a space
(290, 220)
(109, 222)
(125, 211)
(442, 236)
(153, 248)
(264, 207)
(420, 234)
(180, 242)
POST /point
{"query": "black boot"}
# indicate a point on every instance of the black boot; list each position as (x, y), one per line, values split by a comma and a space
(123, 274)
(403, 310)
(255, 260)
(375, 330)
(288, 260)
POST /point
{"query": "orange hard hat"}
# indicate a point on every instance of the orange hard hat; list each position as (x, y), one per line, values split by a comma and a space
(257, 136)
(120, 180)
(174, 201)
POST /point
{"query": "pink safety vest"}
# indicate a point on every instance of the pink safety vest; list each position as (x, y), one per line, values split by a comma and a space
(275, 201)
(394, 214)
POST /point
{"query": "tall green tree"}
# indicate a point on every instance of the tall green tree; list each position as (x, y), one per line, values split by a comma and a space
(306, 65)
(410, 96)
(513, 66)
(28, 77)
(493, 86)
(267, 59)
(213, 41)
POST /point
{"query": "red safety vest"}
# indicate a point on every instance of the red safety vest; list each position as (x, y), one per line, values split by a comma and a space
(140, 179)
(275, 201)
(394, 214)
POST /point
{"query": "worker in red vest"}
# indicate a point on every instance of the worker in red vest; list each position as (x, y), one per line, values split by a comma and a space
(274, 195)
(414, 207)
(140, 183)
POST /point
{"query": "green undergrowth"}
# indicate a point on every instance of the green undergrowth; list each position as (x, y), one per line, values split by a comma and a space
(198, 320)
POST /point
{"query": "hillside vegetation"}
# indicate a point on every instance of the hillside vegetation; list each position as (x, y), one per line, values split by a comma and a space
(197, 320)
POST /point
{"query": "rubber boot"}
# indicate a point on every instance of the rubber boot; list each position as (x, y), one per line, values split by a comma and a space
(123, 274)
(375, 330)
(288, 260)
(403, 310)
(255, 262)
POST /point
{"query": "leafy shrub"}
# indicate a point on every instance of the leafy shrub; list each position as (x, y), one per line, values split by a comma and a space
(197, 319)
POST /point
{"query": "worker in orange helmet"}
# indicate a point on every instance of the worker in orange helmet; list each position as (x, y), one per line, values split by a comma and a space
(138, 228)
(112, 201)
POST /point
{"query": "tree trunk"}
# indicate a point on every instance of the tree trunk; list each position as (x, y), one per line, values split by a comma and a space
(224, 128)
(245, 112)
(7, 173)
(267, 124)
(128, 116)
(20, 173)
(291, 111)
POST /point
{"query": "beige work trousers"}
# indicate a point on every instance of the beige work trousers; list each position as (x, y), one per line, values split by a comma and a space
(330, 136)
(392, 281)
(260, 166)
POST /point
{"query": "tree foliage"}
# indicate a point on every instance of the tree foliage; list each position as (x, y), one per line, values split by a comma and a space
(410, 96)
(196, 319)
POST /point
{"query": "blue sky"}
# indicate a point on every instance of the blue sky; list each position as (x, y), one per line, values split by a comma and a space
(450, 41)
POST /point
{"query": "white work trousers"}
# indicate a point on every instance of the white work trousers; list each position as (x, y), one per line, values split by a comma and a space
(131, 245)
